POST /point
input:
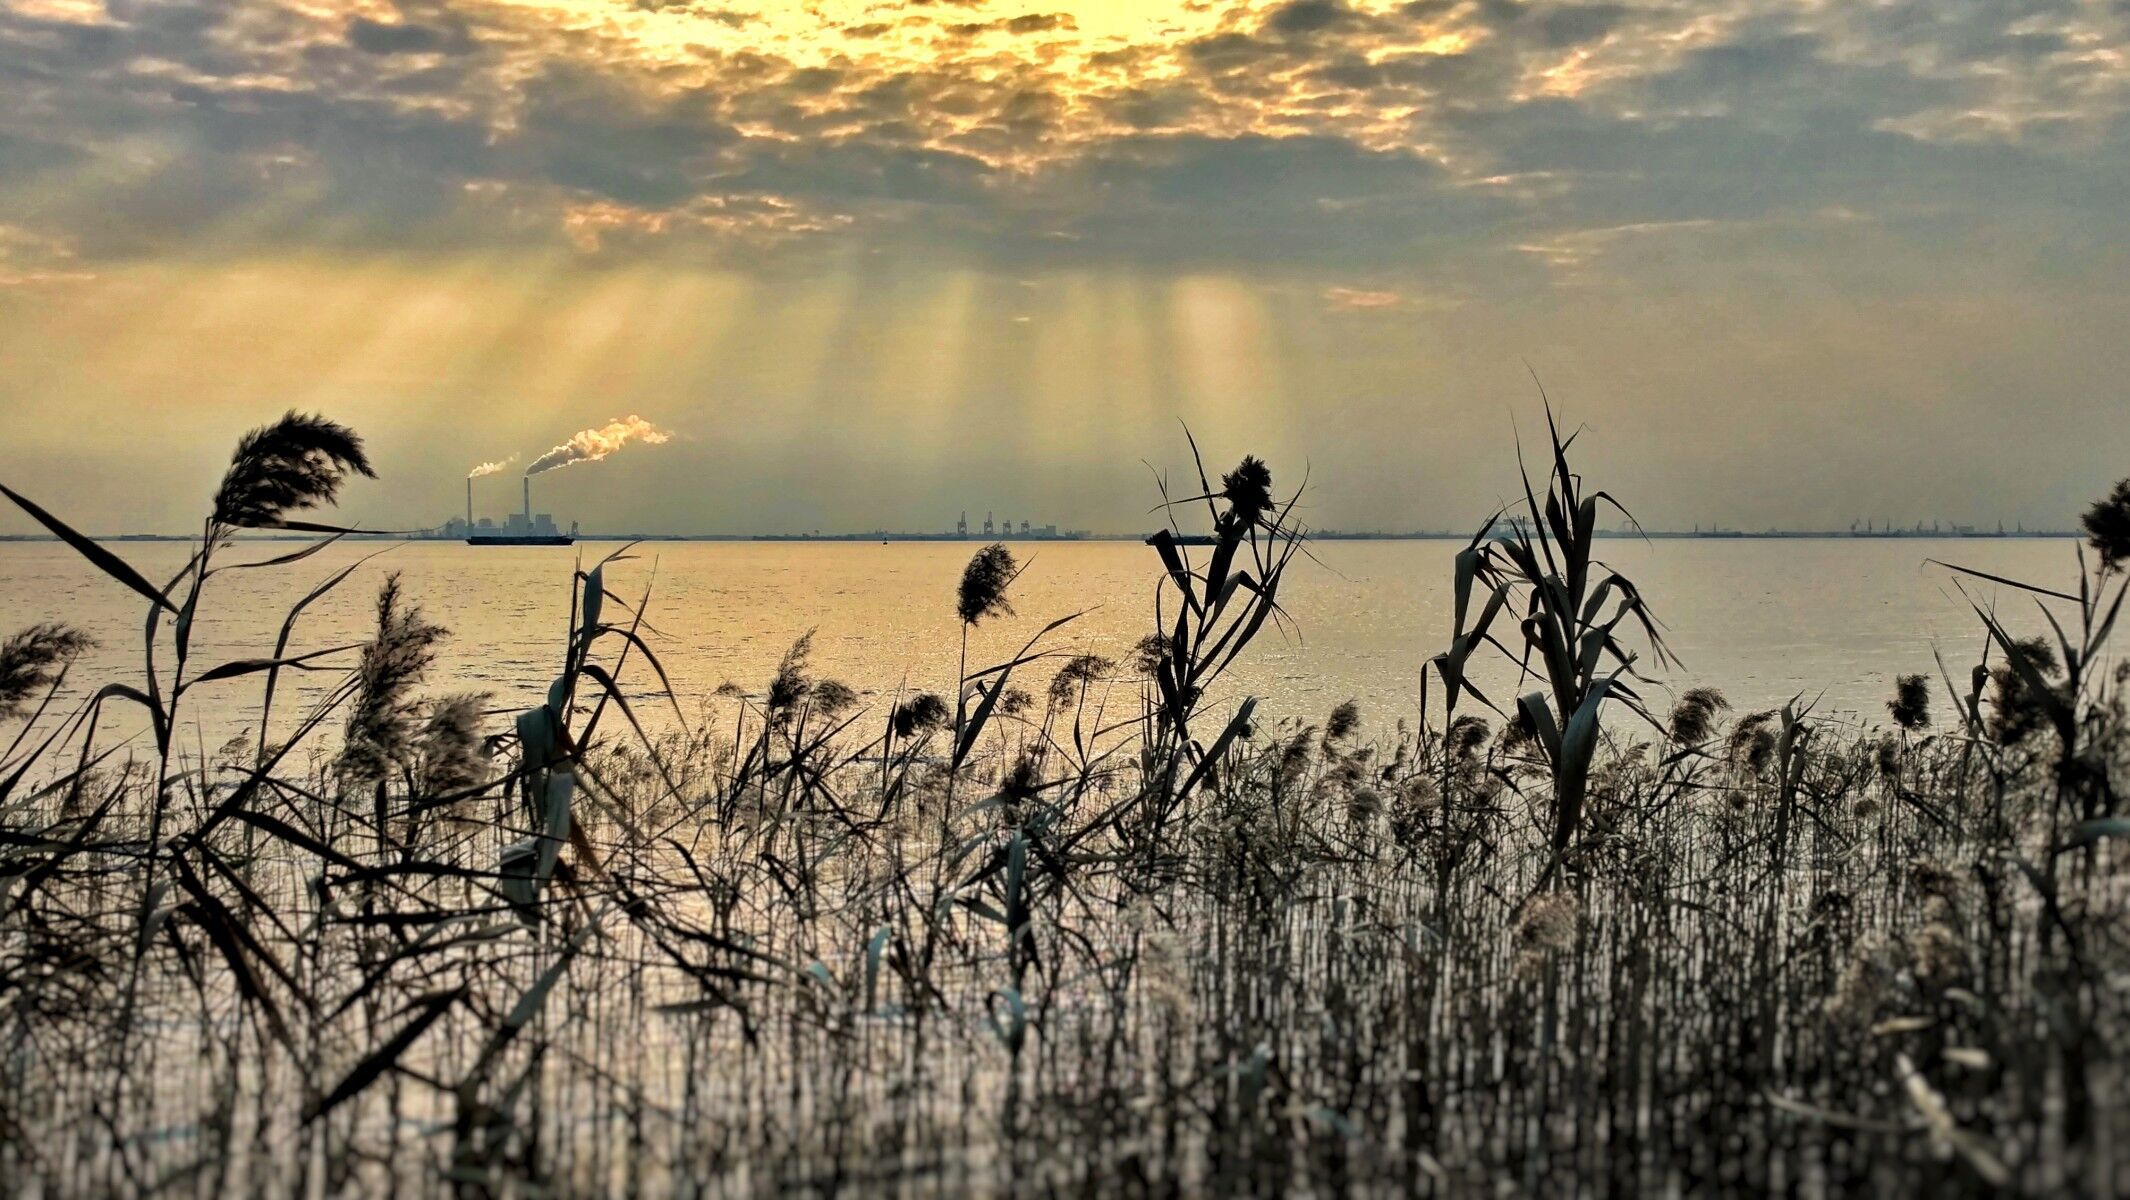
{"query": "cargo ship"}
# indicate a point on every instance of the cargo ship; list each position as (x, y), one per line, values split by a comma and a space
(526, 528)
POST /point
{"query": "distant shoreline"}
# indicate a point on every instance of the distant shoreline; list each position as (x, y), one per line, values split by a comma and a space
(978, 539)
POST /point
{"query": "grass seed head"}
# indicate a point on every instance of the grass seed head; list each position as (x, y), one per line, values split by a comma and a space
(297, 462)
(31, 659)
(2016, 713)
(1363, 805)
(1248, 491)
(920, 714)
(380, 724)
(1693, 718)
(1545, 928)
(983, 585)
(1151, 654)
(450, 744)
(791, 683)
(1344, 720)
(2107, 526)
(1466, 735)
(1074, 678)
(833, 698)
(1910, 704)
(1752, 742)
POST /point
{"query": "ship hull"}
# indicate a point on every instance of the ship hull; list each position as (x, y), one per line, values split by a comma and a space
(527, 540)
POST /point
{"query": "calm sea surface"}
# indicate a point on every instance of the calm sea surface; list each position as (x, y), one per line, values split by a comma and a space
(1763, 620)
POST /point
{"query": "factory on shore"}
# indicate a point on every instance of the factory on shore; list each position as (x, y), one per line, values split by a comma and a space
(1004, 529)
(991, 530)
(524, 527)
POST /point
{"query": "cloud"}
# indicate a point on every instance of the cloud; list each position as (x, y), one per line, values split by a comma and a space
(29, 259)
(1312, 221)
(1305, 133)
(1303, 17)
(1026, 23)
(407, 37)
(1345, 299)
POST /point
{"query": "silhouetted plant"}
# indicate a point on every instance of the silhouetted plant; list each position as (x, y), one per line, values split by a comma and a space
(2107, 526)
(1573, 608)
(1910, 705)
(297, 462)
(920, 713)
(791, 684)
(1694, 716)
(380, 728)
(1345, 718)
(1752, 742)
(833, 697)
(1219, 608)
(1079, 673)
(33, 660)
(2022, 695)
(1248, 491)
(1465, 736)
(449, 745)
(728, 959)
(983, 585)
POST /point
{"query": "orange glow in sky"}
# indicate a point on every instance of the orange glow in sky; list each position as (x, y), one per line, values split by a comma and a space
(917, 249)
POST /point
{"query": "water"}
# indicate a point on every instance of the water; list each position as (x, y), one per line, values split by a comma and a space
(1764, 620)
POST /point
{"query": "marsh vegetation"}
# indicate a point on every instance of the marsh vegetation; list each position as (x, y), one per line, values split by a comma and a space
(1074, 929)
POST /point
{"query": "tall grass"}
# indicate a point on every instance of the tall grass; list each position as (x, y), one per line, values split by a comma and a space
(1076, 929)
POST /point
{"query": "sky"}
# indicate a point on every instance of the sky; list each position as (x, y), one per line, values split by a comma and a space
(872, 264)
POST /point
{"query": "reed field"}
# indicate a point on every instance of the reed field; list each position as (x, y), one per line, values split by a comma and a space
(1074, 929)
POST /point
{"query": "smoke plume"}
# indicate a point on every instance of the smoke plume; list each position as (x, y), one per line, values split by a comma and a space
(491, 468)
(591, 445)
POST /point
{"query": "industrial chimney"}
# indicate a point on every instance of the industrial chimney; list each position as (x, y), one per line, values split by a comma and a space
(469, 502)
(528, 500)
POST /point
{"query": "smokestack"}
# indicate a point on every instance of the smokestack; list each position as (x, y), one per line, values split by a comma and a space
(528, 499)
(469, 502)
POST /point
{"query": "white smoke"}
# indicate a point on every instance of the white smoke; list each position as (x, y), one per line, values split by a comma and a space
(491, 468)
(591, 445)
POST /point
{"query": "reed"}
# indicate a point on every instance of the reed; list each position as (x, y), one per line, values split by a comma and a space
(1084, 935)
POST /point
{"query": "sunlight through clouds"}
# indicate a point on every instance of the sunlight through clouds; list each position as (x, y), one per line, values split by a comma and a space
(1030, 238)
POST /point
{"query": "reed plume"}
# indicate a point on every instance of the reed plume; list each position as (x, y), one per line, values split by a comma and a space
(1465, 736)
(381, 721)
(1345, 718)
(1078, 674)
(2107, 526)
(1545, 928)
(1752, 741)
(1151, 653)
(983, 585)
(31, 661)
(297, 462)
(792, 682)
(833, 697)
(919, 714)
(2017, 712)
(1248, 491)
(449, 745)
(1693, 718)
(1910, 704)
